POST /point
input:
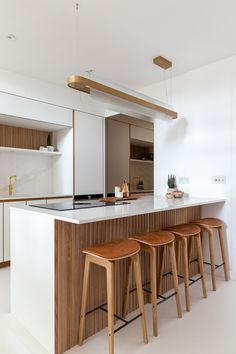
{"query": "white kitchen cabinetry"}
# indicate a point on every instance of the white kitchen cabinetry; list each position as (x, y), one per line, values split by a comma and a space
(89, 153)
(1, 232)
(16, 106)
(6, 227)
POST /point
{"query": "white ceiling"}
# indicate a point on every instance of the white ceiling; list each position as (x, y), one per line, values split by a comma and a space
(117, 38)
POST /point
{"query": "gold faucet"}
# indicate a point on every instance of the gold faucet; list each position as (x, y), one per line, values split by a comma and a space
(11, 185)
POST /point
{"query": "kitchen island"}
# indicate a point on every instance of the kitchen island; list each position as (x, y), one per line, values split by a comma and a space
(47, 262)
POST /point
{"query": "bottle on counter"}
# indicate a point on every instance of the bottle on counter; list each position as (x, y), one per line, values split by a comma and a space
(125, 189)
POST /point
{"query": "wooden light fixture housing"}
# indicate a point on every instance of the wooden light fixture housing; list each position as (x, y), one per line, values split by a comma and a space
(84, 84)
(162, 62)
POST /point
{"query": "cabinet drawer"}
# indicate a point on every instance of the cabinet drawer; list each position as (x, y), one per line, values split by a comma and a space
(142, 134)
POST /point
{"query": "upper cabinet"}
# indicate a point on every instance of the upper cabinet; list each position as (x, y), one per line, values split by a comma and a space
(118, 153)
(89, 154)
(16, 106)
(142, 134)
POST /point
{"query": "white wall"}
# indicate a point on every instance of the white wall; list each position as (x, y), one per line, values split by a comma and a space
(33, 171)
(202, 142)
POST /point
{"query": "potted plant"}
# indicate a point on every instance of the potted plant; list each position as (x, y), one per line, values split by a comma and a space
(50, 147)
(171, 182)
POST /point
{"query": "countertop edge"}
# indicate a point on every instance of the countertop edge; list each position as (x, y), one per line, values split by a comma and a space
(56, 216)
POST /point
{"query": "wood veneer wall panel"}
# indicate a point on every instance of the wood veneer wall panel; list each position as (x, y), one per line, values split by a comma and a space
(22, 138)
(70, 240)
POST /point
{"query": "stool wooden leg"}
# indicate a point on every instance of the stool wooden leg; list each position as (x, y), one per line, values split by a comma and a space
(223, 253)
(127, 288)
(153, 269)
(201, 266)
(212, 257)
(161, 270)
(110, 305)
(186, 272)
(84, 300)
(189, 250)
(175, 278)
(177, 249)
(138, 280)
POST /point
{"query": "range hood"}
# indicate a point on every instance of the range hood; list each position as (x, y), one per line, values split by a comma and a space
(93, 84)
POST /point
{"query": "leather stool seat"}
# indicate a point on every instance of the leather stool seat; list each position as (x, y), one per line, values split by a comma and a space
(209, 222)
(114, 250)
(185, 230)
(157, 238)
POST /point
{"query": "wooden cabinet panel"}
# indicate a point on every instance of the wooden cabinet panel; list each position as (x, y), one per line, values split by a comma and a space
(142, 134)
(118, 153)
(7, 228)
(89, 154)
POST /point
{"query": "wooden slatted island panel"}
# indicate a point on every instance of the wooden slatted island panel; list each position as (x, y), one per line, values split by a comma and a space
(63, 237)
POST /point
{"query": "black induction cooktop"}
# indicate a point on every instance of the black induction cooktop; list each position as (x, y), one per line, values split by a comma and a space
(76, 205)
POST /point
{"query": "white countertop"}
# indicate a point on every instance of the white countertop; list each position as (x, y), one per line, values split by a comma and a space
(143, 205)
(15, 197)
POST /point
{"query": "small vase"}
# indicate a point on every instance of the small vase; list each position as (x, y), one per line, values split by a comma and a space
(171, 190)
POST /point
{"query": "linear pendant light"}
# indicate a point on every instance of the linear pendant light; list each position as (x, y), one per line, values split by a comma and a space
(87, 85)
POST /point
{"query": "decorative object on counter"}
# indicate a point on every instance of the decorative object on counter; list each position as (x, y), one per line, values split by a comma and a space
(50, 147)
(43, 148)
(114, 199)
(178, 194)
(119, 195)
(11, 184)
(125, 189)
(140, 184)
(117, 190)
(169, 195)
(171, 182)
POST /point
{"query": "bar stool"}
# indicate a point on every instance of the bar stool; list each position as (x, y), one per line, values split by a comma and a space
(183, 233)
(105, 256)
(149, 243)
(210, 225)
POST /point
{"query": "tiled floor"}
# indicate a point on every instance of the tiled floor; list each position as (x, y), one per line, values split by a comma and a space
(208, 329)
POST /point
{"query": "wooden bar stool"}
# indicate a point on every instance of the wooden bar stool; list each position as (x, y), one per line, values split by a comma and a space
(183, 233)
(149, 243)
(105, 255)
(210, 225)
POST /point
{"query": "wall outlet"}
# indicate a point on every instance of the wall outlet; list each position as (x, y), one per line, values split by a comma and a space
(219, 179)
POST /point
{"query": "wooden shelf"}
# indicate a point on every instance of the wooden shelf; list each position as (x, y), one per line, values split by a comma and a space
(142, 161)
(30, 151)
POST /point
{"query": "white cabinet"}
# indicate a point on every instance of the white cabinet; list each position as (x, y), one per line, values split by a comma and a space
(6, 228)
(89, 153)
(1, 232)
(31, 109)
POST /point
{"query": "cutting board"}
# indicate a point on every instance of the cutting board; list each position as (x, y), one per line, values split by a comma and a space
(114, 199)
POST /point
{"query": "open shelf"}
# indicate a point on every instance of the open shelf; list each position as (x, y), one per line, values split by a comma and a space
(30, 151)
(143, 161)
